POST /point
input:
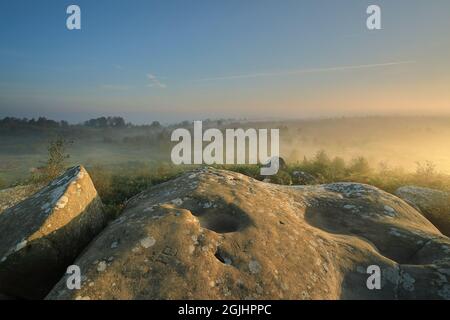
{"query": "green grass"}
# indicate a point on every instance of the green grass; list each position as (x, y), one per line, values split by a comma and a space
(115, 185)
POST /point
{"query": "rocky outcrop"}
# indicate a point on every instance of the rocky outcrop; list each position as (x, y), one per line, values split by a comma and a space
(434, 204)
(213, 234)
(12, 196)
(303, 178)
(42, 235)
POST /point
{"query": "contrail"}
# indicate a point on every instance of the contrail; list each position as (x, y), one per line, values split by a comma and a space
(301, 71)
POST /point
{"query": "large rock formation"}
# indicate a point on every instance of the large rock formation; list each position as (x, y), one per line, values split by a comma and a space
(434, 204)
(12, 196)
(213, 234)
(42, 235)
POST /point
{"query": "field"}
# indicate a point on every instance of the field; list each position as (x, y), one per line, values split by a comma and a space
(385, 152)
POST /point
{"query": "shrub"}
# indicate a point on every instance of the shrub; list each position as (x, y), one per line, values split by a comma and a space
(337, 169)
(425, 171)
(360, 166)
(321, 164)
(56, 162)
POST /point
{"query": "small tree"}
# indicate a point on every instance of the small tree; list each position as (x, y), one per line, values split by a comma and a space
(57, 158)
(360, 166)
(426, 170)
(321, 164)
(427, 175)
(337, 169)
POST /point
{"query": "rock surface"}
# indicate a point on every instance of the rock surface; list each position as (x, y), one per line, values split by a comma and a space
(42, 235)
(12, 196)
(303, 178)
(434, 204)
(212, 234)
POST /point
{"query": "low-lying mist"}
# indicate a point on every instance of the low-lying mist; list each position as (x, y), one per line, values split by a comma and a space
(386, 142)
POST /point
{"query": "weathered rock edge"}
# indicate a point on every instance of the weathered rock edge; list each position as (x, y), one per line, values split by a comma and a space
(42, 235)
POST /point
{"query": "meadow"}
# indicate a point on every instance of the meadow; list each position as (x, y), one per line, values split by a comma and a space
(387, 152)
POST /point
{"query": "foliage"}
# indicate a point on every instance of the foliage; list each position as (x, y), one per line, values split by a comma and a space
(106, 122)
(115, 189)
(56, 161)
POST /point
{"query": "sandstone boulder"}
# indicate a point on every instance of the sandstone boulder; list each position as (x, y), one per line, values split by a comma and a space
(42, 235)
(213, 234)
(434, 204)
(303, 178)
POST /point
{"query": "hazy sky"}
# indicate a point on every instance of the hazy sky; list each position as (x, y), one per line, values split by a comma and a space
(172, 60)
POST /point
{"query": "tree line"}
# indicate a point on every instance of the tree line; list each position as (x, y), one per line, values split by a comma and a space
(43, 122)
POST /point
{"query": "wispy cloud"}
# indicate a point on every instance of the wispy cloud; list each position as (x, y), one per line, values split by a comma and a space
(303, 71)
(155, 82)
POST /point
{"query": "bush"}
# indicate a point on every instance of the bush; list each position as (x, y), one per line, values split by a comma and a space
(360, 167)
(56, 162)
(425, 171)
(321, 164)
(337, 169)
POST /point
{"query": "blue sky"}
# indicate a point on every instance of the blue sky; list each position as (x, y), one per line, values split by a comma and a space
(175, 60)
